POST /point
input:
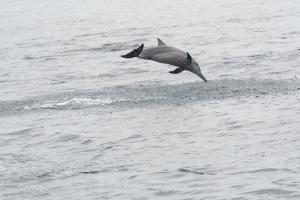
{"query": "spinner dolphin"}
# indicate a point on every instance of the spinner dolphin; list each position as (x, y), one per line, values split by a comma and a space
(163, 53)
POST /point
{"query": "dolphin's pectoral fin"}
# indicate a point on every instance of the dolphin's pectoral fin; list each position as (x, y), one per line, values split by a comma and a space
(134, 53)
(176, 71)
(160, 42)
(189, 58)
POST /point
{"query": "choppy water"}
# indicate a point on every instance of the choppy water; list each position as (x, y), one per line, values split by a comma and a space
(79, 122)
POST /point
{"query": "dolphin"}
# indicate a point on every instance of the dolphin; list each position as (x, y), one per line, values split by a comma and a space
(163, 53)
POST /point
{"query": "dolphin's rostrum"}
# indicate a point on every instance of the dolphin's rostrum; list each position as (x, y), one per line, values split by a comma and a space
(163, 53)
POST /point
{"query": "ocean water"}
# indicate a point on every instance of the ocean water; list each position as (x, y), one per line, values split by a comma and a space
(77, 121)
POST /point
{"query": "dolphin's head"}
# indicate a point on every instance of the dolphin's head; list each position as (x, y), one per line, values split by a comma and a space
(194, 67)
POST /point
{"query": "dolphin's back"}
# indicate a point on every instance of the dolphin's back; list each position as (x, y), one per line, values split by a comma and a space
(165, 54)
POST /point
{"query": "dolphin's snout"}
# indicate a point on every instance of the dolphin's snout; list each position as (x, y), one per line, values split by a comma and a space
(201, 76)
(196, 69)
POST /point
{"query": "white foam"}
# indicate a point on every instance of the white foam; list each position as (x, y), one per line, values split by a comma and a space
(76, 102)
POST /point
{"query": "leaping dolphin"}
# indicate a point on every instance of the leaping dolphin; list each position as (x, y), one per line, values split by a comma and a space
(163, 53)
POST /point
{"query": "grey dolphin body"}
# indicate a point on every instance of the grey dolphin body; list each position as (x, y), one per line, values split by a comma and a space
(163, 53)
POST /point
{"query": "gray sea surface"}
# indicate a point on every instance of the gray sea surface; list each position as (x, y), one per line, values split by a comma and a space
(77, 121)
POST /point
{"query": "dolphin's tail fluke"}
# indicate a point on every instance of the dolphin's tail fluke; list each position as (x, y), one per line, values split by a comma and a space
(134, 53)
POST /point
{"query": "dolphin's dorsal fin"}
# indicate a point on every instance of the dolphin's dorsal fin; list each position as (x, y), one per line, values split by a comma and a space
(160, 42)
(189, 58)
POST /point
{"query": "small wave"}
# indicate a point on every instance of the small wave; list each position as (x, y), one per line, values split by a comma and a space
(263, 170)
(90, 172)
(271, 191)
(190, 171)
(20, 132)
